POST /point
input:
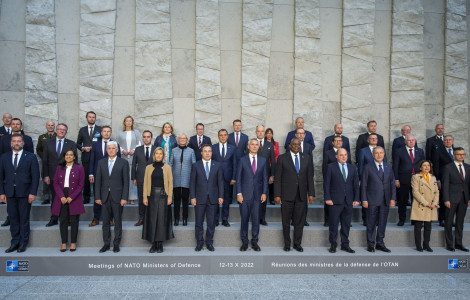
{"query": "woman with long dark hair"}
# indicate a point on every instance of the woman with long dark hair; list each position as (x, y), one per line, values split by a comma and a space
(268, 136)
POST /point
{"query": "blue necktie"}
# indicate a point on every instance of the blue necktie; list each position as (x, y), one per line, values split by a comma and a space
(105, 154)
(297, 166)
(59, 148)
(223, 151)
(450, 153)
(207, 170)
(110, 167)
(15, 163)
(147, 155)
(381, 172)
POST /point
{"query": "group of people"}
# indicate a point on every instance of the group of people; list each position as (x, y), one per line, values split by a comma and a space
(179, 170)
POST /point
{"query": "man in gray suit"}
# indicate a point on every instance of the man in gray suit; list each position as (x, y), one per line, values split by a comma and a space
(112, 191)
(142, 157)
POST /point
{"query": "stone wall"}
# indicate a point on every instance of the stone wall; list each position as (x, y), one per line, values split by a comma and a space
(262, 61)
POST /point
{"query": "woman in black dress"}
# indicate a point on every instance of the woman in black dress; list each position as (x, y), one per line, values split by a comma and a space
(158, 193)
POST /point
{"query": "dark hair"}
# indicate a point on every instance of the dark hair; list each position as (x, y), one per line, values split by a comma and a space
(17, 119)
(106, 126)
(420, 164)
(124, 122)
(371, 121)
(90, 112)
(151, 134)
(206, 145)
(337, 136)
(373, 134)
(17, 134)
(300, 129)
(272, 132)
(220, 130)
(171, 126)
(459, 149)
(63, 124)
(199, 124)
(236, 121)
(63, 163)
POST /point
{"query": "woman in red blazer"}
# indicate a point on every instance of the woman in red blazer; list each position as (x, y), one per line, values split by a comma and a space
(269, 137)
(68, 203)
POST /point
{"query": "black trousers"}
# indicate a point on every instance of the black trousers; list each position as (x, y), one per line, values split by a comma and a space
(426, 234)
(51, 188)
(180, 195)
(442, 210)
(262, 210)
(140, 196)
(403, 194)
(459, 210)
(112, 209)
(87, 185)
(294, 210)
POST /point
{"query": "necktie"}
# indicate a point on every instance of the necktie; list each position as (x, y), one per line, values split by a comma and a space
(207, 170)
(223, 151)
(105, 147)
(381, 172)
(200, 143)
(147, 155)
(460, 169)
(344, 172)
(253, 164)
(236, 139)
(91, 132)
(9, 130)
(110, 167)
(59, 148)
(450, 153)
(261, 145)
(412, 159)
(15, 163)
(297, 166)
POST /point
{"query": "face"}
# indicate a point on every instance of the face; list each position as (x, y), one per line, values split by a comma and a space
(50, 126)
(372, 140)
(300, 134)
(223, 136)
(299, 123)
(200, 130)
(253, 147)
(69, 157)
(112, 150)
(338, 129)
(342, 156)
(182, 140)
(459, 156)
(15, 126)
(439, 130)
(106, 133)
(448, 141)
(425, 167)
(61, 131)
(17, 143)
(337, 142)
(410, 141)
(147, 137)
(295, 146)
(372, 127)
(128, 122)
(405, 130)
(269, 135)
(206, 153)
(91, 118)
(378, 155)
(237, 126)
(167, 129)
(7, 119)
(158, 155)
(260, 132)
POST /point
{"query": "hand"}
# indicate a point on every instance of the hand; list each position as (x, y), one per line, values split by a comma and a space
(439, 185)
(3, 198)
(98, 202)
(240, 198)
(310, 199)
(232, 182)
(69, 200)
(47, 180)
(468, 204)
(91, 179)
(263, 198)
(169, 201)
(87, 149)
(355, 203)
(131, 152)
(123, 202)
(397, 183)
(63, 200)
(365, 204)
(125, 152)
(329, 202)
(271, 180)
(277, 200)
(31, 198)
(193, 202)
(392, 203)
(447, 204)
(221, 200)
(146, 202)
(134, 182)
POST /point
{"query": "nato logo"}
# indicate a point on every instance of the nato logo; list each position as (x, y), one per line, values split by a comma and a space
(455, 264)
(17, 266)
(12, 266)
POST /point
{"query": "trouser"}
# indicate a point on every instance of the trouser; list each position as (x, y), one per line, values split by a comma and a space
(87, 185)
(18, 210)
(208, 211)
(226, 204)
(250, 208)
(442, 210)
(340, 213)
(51, 187)
(64, 223)
(377, 216)
(459, 210)
(426, 234)
(293, 210)
(112, 209)
(140, 196)
(181, 195)
(46, 192)
(403, 194)
(262, 210)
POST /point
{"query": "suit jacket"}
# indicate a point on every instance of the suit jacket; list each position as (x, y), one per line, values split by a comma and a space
(362, 143)
(307, 149)
(398, 143)
(194, 144)
(139, 163)
(5, 144)
(250, 185)
(432, 143)
(440, 158)
(25, 177)
(287, 181)
(182, 170)
(117, 183)
(424, 194)
(96, 154)
(336, 189)
(365, 157)
(453, 185)
(229, 162)
(308, 139)
(76, 183)
(159, 140)
(50, 160)
(268, 154)
(402, 166)
(84, 140)
(204, 189)
(328, 144)
(330, 157)
(242, 144)
(372, 187)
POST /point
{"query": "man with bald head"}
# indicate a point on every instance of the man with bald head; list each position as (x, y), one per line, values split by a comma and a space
(42, 139)
(6, 128)
(299, 124)
(435, 142)
(328, 144)
(399, 142)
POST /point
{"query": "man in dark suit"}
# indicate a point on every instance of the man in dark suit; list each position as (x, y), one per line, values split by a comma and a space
(238, 139)
(328, 144)
(225, 154)
(5, 142)
(400, 141)
(293, 185)
(42, 139)
(98, 152)
(87, 135)
(441, 156)
(52, 150)
(252, 190)
(206, 192)
(19, 180)
(307, 149)
(405, 164)
(378, 195)
(435, 141)
(142, 157)
(341, 187)
(196, 141)
(362, 140)
(299, 124)
(265, 150)
(456, 195)
(111, 192)
(328, 158)
(6, 128)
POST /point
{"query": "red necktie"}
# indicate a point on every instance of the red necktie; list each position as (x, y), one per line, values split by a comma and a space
(199, 145)
(412, 159)
(236, 140)
(461, 172)
(253, 165)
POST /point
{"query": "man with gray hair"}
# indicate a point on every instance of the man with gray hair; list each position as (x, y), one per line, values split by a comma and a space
(266, 150)
(399, 142)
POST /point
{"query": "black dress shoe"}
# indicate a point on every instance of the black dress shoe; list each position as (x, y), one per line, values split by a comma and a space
(185, 222)
(255, 247)
(210, 248)
(63, 250)
(364, 223)
(21, 248)
(419, 249)
(347, 249)
(271, 202)
(449, 248)
(177, 222)
(427, 248)
(86, 200)
(198, 248)
(286, 247)
(225, 223)
(159, 247)
(442, 223)
(51, 223)
(332, 249)
(46, 202)
(244, 247)
(116, 249)
(12, 248)
(104, 248)
(382, 248)
(325, 224)
(216, 223)
(298, 248)
(306, 224)
(400, 223)
(263, 222)
(153, 248)
(462, 248)
(370, 249)
(6, 223)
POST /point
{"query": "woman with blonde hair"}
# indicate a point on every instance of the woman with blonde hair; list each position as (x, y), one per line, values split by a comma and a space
(166, 140)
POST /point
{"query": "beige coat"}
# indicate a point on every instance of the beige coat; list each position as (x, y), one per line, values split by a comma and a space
(424, 194)
(167, 181)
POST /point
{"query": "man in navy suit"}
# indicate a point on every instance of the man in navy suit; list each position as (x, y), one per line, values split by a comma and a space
(362, 139)
(400, 141)
(5, 142)
(265, 150)
(19, 180)
(238, 139)
(299, 124)
(98, 152)
(328, 144)
(206, 192)
(377, 195)
(197, 141)
(341, 187)
(405, 164)
(252, 189)
(6, 128)
(225, 154)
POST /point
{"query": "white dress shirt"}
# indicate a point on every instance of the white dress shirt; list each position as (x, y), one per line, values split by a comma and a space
(220, 148)
(67, 176)
(463, 168)
(13, 157)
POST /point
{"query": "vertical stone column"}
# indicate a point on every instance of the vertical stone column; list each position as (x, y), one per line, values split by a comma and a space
(208, 104)
(456, 73)
(407, 75)
(153, 85)
(257, 24)
(97, 29)
(40, 66)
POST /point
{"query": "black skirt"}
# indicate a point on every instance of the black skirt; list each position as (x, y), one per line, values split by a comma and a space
(158, 219)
